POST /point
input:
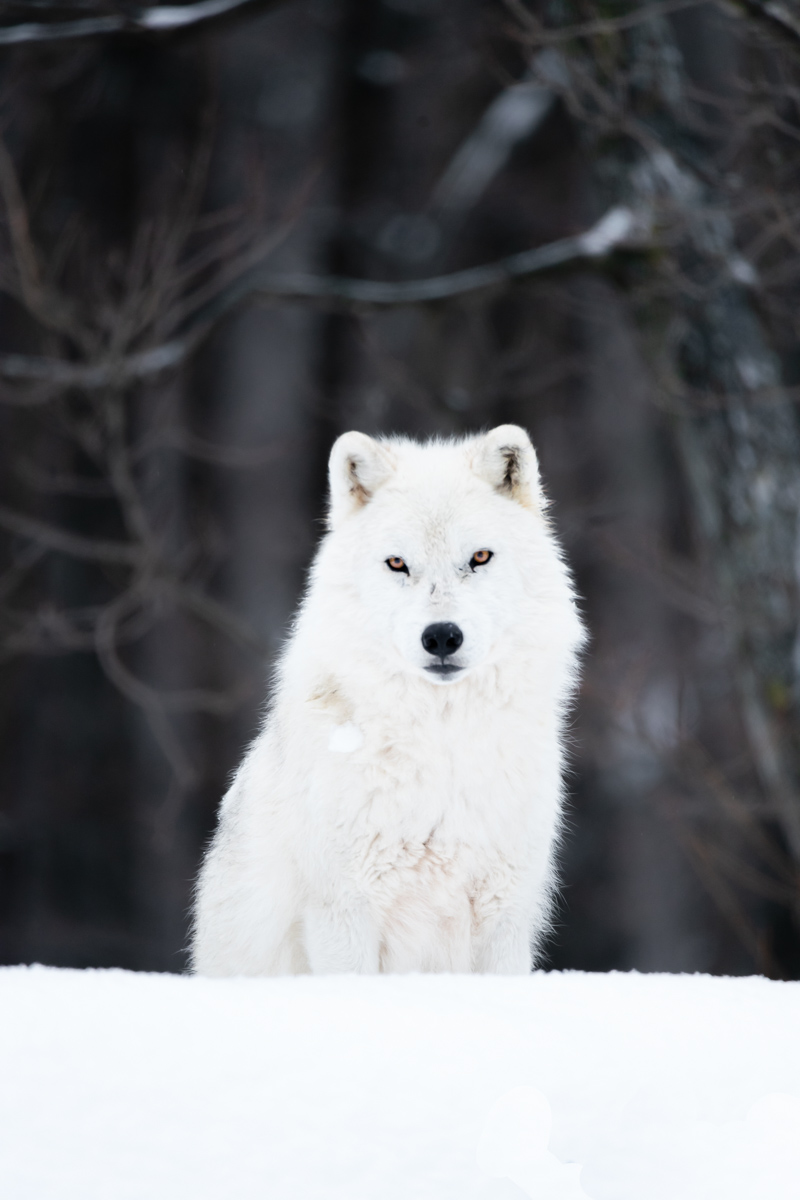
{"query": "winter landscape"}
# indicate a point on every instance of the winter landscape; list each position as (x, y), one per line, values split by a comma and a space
(561, 238)
(558, 1086)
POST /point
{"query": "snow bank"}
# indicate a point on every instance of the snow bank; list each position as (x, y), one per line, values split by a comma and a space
(555, 1086)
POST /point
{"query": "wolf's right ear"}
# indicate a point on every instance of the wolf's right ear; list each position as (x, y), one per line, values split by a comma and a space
(357, 467)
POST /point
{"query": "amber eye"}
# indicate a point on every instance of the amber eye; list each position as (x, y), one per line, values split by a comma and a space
(396, 564)
(480, 558)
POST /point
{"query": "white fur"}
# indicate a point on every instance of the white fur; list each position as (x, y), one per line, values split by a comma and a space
(384, 820)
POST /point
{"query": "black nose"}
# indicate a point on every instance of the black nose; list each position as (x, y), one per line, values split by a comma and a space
(442, 639)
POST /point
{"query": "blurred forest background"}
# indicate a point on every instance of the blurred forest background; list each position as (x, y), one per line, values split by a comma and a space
(231, 230)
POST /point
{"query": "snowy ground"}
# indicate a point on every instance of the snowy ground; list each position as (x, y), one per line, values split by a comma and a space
(555, 1086)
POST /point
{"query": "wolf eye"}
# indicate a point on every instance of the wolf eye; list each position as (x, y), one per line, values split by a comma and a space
(480, 558)
(396, 564)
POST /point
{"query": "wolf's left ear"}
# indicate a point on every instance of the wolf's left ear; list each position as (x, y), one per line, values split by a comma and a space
(357, 467)
(506, 459)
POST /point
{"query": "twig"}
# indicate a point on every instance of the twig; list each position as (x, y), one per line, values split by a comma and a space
(541, 36)
(202, 450)
(89, 548)
(778, 17)
(697, 765)
(159, 19)
(723, 896)
(13, 575)
(219, 617)
(515, 114)
(94, 376)
(47, 631)
(44, 303)
(146, 698)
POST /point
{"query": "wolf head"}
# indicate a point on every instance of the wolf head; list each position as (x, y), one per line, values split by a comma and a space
(439, 558)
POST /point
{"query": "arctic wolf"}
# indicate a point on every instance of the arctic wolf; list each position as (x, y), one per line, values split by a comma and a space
(400, 807)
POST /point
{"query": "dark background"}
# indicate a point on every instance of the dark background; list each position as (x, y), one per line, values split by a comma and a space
(166, 411)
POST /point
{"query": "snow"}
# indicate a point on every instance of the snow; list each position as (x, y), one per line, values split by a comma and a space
(557, 1086)
(610, 231)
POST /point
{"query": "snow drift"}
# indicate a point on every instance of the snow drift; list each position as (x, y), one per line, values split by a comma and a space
(554, 1086)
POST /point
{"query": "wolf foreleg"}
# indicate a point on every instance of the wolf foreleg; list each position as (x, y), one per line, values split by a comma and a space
(506, 949)
(340, 941)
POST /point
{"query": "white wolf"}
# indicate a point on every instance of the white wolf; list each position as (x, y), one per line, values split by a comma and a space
(400, 807)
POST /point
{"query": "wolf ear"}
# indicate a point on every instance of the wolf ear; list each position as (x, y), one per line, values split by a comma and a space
(357, 467)
(506, 459)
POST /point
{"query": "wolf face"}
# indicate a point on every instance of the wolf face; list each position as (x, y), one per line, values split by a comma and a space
(438, 552)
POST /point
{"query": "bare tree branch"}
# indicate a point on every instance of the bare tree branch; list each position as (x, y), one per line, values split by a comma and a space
(89, 548)
(13, 576)
(44, 303)
(516, 113)
(162, 18)
(144, 697)
(778, 17)
(113, 372)
(219, 617)
(723, 895)
(620, 228)
(47, 632)
(539, 35)
(191, 446)
(699, 766)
